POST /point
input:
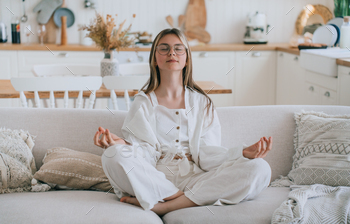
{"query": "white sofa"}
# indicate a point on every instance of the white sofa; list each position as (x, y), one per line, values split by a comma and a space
(73, 128)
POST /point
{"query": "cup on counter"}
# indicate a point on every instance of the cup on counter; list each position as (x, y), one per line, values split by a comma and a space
(86, 41)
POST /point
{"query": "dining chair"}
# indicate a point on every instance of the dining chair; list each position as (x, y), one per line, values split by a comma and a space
(51, 84)
(48, 70)
(134, 82)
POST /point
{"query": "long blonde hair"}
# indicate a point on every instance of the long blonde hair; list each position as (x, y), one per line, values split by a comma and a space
(187, 78)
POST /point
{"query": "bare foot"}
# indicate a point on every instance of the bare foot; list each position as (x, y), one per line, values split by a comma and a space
(130, 200)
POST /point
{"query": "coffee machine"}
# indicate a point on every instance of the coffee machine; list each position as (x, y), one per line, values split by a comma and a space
(256, 29)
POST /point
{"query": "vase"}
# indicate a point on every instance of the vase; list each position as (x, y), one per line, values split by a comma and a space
(110, 64)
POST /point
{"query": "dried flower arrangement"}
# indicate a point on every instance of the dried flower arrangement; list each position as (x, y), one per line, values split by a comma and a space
(105, 35)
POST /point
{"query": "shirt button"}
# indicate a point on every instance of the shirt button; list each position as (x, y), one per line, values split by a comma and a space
(177, 140)
(177, 112)
(178, 127)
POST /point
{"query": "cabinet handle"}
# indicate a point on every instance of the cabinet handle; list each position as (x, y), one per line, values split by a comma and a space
(256, 54)
(296, 58)
(63, 54)
(311, 88)
(327, 94)
(129, 60)
(281, 54)
(203, 54)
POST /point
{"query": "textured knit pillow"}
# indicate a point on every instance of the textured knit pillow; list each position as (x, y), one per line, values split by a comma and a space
(73, 169)
(17, 163)
(322, 149)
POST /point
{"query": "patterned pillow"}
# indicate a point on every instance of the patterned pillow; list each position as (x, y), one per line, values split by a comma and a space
(17, 163)
(322, 149)
(69, 169)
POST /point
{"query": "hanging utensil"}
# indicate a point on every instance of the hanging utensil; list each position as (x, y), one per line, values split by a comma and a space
(63, 11)
(24, 18)
(170, 20)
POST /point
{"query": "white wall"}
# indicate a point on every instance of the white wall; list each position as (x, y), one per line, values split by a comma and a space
(225, 18)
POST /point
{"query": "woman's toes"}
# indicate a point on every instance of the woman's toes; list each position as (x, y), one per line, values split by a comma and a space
(125, 199)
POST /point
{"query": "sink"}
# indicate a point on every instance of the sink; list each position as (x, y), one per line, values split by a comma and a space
(323, 61)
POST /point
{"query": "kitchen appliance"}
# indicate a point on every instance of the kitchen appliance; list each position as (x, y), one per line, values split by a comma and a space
(256, 29)
(3, 33)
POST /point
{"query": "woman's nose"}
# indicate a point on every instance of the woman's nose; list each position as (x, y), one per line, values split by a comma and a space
(172, 51)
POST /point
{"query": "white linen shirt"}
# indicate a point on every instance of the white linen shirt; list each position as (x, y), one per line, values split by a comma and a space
(140, 129)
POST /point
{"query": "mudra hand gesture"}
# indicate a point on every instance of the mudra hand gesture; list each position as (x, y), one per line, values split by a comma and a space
(259, 149)
(108, 139)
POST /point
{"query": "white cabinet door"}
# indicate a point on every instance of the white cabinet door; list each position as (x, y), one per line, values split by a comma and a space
(217, 67)
(8, 64)
(344, 85)
(8, 69)
(290, 80)
(255, 78)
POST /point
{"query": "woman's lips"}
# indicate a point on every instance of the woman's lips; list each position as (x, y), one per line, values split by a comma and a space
(172, 61)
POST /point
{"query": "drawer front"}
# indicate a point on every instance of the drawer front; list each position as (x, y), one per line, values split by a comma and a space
(26, 59)
(322, 80)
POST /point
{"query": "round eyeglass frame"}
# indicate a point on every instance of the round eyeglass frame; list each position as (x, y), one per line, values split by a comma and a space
(173, 48)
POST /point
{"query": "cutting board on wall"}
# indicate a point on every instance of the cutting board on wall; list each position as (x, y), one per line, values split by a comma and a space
(51, 32)
(196, 14)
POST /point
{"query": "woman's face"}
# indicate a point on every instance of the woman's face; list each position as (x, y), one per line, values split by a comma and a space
(175, 59)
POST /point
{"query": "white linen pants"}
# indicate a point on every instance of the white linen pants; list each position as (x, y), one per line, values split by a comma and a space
(230, 183)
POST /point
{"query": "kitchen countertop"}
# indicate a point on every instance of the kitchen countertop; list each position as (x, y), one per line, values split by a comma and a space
(344, 62)
(284, 47)
(208, 47)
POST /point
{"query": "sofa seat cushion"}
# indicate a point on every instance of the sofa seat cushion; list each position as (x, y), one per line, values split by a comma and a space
(259, 210)
(71, 207)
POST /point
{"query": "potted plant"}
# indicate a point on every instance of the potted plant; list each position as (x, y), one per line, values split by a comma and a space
(109, 39)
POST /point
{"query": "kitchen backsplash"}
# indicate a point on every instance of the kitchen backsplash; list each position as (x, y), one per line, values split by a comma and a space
(226, 19)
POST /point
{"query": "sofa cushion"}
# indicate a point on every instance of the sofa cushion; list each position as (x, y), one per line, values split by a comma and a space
(322, 149)
(69, 168)
(67, 206)
(259, 210)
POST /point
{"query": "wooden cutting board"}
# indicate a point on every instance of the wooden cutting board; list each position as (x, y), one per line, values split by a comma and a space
(196, 14)
(51, 32)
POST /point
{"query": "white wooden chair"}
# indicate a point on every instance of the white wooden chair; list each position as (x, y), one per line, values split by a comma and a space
(52, 84)
(66, 70)
(134, 82)
(132, 76)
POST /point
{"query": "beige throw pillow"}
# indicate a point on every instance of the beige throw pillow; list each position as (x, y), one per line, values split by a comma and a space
(322, 149)
(73, 169)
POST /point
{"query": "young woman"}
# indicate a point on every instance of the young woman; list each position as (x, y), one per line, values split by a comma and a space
(171, 155)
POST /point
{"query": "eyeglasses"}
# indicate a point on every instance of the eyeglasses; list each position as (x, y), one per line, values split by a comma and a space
(164, 49)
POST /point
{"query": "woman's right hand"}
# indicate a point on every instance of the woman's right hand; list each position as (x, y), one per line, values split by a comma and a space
(108, 139)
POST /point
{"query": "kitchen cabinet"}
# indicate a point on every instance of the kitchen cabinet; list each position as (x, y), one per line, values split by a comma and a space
(255, 80)
(290, 80)
(320, 89)
(26, 59)
(8, 69)
(216, 66)
(344, 85)
(8, 64)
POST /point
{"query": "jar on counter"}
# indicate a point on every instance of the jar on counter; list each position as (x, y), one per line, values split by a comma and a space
(15, 30)
(345, 33)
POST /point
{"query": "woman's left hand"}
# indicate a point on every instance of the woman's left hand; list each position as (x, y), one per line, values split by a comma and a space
(259, 149)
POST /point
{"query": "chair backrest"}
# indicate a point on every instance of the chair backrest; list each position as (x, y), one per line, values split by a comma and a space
(134, 82)
(134, 69)
(52, 84)
(66, 70)
(132, 76)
